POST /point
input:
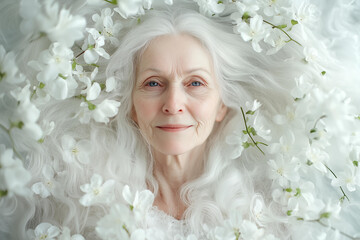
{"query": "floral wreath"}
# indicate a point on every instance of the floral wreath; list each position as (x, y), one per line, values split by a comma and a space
(321, 117)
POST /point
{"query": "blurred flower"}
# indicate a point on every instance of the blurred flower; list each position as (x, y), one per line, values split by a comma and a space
(97, 192)
(9, 73)
(13, 175)
(132, 8)
(44, 231)
(75, 150)
(48, 185)
(46, 18)
(105, 25)
(210, 7)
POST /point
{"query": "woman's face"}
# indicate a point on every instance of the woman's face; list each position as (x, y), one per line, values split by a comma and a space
(176, 98)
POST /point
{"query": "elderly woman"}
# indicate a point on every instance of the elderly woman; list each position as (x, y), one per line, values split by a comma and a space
(178, 161)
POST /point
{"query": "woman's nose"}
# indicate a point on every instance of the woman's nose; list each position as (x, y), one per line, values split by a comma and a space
(174, 101)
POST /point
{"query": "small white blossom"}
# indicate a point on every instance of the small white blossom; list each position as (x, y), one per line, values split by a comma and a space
(117, 224)
(75, 150)
(110, 84)
(284, 170)
(210, 7)
(92, 89)
(254, 32)
(105, 110)
(48, 185)
(13, 175)
(9, 72)
(140, 202)
(349, 178)
(132, 8)
(93, 47)
(104, 24)
(318, 158)
(44, 231)
(97, 192)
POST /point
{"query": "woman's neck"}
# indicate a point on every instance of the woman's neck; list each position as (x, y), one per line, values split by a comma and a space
(171, 173)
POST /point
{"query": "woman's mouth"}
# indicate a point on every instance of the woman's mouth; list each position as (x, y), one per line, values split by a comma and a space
(173, 127)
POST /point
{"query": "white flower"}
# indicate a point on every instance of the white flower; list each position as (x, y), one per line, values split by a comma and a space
(106, 26)
(45, 17)
(274, 8)
(132, 8)
(349, 178)
(117, 224)
(26, 114)
(93, 46)
(65, 235)
(97, 191)
(93, 89)
(13, 175)
(259, 126)
(276, 39)
(250, 231)
(9, 73)
(105, 110)
(210, 7)
(284, 170)
(48, 185)
(237, 139)
(247, 6)
(318, 158)
(140, 202)
(305, 12)
(44, 231)
(73, 150)
(55, 71)
(255, 32)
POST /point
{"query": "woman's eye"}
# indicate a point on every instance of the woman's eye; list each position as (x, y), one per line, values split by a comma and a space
(196, 84)
(152, 84)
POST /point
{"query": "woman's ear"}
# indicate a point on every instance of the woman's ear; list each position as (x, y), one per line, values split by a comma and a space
(221, 112)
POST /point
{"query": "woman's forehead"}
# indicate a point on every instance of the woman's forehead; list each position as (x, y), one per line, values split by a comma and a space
(175, 51)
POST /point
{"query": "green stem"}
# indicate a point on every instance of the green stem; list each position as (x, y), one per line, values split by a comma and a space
(248, 133)
(342, 190)
(290, 38)
(12, 141)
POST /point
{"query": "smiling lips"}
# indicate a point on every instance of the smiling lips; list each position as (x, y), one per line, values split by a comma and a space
(173, 127)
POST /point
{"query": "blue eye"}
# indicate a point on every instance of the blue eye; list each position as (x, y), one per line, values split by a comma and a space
(196, 84)
(152, 84)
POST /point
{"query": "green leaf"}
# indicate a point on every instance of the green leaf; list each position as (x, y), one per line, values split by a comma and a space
(62, 76)
(220, 2)
(309, 163)
(41, 85)
(288, 189)
(294, 22)
(357, 117)
(94, 65)
(131, 207)
(74, 63)
(246, 144)
(250, 112)
(111, 1)
(298, 192)
(325, 215)
(90, 46)
(252, 131)
(2, 75)
(19, 125)
(245, 16)
(356, 163)
(289, 212)
(323, 73)
(313, 130)
(3, 193)
(138, 21)
(102, 86)
(91, 106)
(281, 26)
(41, 140)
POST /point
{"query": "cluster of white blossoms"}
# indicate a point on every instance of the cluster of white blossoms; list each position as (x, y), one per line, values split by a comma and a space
(75, 47)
